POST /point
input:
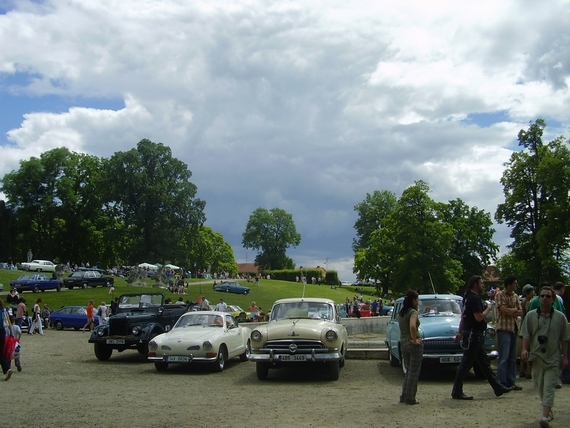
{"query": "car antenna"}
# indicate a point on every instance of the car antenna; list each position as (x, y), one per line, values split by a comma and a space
(432, 286)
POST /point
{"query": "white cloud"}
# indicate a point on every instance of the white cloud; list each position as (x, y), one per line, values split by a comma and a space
(302, 105)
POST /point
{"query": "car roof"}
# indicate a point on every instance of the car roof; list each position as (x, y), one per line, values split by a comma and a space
(435, 296)
(305, 299)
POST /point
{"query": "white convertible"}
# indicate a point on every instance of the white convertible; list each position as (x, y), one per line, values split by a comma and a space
(201, 337)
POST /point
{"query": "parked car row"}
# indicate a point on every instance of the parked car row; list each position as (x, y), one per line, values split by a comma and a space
(37, 282)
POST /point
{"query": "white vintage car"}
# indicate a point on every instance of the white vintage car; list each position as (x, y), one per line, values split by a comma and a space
(38, 265)
(200, 337)
(300, 330)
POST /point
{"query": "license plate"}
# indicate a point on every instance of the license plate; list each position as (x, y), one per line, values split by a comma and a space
(177, 359)
(450, 360)
(115, 341)
(292, 357)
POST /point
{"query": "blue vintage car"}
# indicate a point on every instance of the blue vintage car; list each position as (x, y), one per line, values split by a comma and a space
(439, 316)
(70, 317)
(231, 287)
(36, 282)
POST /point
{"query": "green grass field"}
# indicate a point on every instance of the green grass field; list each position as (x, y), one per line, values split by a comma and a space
(264, 295)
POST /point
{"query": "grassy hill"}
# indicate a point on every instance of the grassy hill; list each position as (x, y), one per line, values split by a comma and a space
(264, 295)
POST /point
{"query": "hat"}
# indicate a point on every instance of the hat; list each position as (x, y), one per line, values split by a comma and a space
(526, 289)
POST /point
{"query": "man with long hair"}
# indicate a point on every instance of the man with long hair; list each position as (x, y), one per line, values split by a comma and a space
(472, 335)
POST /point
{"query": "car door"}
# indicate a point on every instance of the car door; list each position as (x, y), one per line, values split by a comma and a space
(234, 339)
(393, 331)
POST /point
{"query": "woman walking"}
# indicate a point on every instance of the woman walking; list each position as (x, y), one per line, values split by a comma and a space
(412, 347)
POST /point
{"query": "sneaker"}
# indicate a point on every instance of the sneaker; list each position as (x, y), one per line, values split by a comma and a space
(516, 387)
(558, 386)
(550, 416)
(8, 374)
(544, 422)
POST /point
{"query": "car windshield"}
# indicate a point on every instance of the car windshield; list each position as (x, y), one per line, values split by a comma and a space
(199, 320)
(311, 310)
(436, 307)
(140, 301)
(78, 274)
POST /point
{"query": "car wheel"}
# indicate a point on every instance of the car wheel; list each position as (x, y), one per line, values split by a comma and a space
(160, 366)
(245, 292)
(342, 360)
(243, 357)
(220, 362)
(393, 360)
(333, 369)
(38, 270)
(103, 352)
(58, 325)
(84, 286)
(262, 370)
(58, 288)
(70, 287)
(36, 289)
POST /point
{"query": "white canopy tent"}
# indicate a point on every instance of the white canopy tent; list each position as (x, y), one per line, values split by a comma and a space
(148, 266)
(173, 267)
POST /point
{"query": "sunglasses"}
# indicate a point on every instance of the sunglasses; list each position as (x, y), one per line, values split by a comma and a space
(545, 296)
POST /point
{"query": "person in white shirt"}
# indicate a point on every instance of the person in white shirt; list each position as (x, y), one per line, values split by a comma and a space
(222, 307)
(103, 312)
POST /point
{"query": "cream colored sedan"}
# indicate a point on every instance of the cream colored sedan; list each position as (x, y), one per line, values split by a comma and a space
(300, 330)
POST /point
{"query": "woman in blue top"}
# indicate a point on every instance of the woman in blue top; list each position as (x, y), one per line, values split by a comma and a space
(412, 347)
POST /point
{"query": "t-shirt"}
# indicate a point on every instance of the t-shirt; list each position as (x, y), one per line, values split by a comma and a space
(554, 326)
(473, 304)
(404, 323)
(535, 303)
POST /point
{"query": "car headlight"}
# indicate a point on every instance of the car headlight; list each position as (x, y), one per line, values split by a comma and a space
(331, 335)
(152, 346)
(100, 332)
(256, 336)
(490, 333)
(136, 330)
(207, 345)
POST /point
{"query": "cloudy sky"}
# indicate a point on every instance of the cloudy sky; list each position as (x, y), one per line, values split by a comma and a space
(301, 105)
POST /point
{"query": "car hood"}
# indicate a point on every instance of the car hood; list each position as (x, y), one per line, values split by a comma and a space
(437, 326)
(301, 328)
(184, 334)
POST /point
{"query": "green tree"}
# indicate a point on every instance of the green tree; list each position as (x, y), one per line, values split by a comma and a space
(271, 232)
(211, 253)
(55, 202)
(473, 244)
(149, 196)
(371, 212)
(536, 185)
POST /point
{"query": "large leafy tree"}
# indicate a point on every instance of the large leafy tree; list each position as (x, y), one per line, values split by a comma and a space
(210, 253)
(55, 200)
(153, 204)
(371, 212)
(271, 232)
(536, 185)
(473, 244)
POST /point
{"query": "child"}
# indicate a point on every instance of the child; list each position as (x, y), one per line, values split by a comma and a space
(17, 333)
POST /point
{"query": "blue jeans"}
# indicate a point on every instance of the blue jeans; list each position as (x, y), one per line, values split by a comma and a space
(507, 361)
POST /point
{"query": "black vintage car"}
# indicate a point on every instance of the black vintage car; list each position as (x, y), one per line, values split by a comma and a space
(88, 278)
(139, 318)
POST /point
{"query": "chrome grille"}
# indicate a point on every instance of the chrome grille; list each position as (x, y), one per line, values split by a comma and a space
(441, 344)
(118, 327)
(303, 346)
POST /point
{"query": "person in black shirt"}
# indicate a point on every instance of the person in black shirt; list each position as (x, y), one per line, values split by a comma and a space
(472, 334)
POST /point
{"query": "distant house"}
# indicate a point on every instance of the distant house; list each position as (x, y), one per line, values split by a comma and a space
(491, 278)
(248, 269)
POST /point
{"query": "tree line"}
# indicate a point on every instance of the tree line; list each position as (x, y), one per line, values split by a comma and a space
(416, 242)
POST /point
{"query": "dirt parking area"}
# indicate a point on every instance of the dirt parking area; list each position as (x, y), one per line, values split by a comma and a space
(63, 385)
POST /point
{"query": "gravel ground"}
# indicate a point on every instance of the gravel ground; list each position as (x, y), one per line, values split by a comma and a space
(64, 385)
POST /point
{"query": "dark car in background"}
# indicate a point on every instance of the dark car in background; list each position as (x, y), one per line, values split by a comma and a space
(36, 282)
(88, 278)
(231, 287)
(70, 317)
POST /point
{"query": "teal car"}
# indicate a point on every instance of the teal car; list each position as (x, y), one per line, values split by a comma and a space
(439, 316)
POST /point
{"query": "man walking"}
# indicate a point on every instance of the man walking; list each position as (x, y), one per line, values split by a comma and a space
(508, 310)
(545, 336)
(472, 334)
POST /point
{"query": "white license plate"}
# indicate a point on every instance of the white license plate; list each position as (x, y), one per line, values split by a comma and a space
(450, 360)
(301, 357)
(115, 341)
(177, 359)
